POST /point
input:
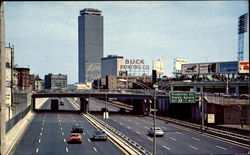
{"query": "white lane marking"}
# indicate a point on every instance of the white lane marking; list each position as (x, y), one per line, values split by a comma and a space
(136, 123)
(166, 147)
(193, 147)
(60, 124)
(59, 120)
(95, 149)
(195, 138)
(221, 147)
(114, 120)
(61, 128)
(37, 150)
(172, 138)
(62, 133)
(41, 128)
(150, 139)
(178, 133)
(89, 140)
(66, 149)
(64, 140)
(41, 133)
(43, 120)
(145, 127)
(120, 123)
(39, 141)
(83, 133)
(138, 132)
(128, 127)
(43, 124)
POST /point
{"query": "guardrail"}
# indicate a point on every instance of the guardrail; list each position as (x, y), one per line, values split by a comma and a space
(245, 140)
(135, 148)
(226, 100)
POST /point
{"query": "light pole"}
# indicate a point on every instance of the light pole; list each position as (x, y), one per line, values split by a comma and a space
(153, 94)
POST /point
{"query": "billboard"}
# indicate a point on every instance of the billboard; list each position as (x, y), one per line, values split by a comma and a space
(159, 66)
(228, 67)
(178, 62)
(190, 68)
(208, 68)
(243, 67)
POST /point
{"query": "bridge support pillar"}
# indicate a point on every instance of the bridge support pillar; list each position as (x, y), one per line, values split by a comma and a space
(33, 100)
(140, 107)
(84, 104)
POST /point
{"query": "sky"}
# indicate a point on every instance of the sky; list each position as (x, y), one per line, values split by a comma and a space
(45, 34)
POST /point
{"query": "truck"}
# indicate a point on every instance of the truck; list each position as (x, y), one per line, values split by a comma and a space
(54, 104)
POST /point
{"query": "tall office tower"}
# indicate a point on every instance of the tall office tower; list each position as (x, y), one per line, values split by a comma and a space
(90, 44)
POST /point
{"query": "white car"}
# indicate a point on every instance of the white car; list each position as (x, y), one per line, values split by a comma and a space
(157, 131)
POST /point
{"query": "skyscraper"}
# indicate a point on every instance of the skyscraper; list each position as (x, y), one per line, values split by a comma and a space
(90, 44)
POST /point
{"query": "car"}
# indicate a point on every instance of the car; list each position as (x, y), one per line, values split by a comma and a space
(157, 131)
(244, 96)
(61, 103)
(77, 129)
(104, 110)
(99, 135)
(75, 138)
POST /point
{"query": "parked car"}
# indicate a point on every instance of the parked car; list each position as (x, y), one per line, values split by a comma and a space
(61, 103)
(244, 96)
(157, 131)
(75, 138)
(99, 135)
(77, 129)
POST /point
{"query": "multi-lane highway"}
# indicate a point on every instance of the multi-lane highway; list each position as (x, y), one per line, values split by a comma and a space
(177, 140)
(48, 134)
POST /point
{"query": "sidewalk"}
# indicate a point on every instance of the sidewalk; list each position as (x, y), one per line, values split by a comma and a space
(16, 132)
(236, 126)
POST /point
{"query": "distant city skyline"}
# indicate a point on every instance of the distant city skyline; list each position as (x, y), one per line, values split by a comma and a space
(45, 34)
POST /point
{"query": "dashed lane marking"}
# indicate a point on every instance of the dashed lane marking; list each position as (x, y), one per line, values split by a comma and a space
(66, 149)
(178, 133)
(95, 149)
(64, 140)
(83, 133)
(42, 128)
(39, 141)
(145, 127)
(128, 127)
(150, 139)
(114, 120)
(120, 123)
(62, 133)
(221, 147)
(172, 138)
(89, 140)
(61, 128)
(37, 150)
(41, 133)
(195, 138)
(138, 132)
(193, 147)
(166, 147)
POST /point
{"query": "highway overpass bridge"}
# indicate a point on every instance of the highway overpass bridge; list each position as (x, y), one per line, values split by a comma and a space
(225, 110)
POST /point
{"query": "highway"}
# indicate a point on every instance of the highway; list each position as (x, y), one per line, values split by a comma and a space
(177, 140)
(48, 134)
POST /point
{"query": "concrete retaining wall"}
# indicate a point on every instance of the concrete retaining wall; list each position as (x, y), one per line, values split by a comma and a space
(17, 131)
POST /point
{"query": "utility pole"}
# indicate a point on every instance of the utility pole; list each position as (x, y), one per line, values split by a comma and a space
(2, 80)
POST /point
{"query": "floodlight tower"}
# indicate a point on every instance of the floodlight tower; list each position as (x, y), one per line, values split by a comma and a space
(242, 29)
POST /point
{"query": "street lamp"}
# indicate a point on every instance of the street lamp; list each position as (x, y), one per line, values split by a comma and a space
(154, 95)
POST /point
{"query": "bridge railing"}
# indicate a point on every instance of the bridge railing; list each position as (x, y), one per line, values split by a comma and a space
(226, 100)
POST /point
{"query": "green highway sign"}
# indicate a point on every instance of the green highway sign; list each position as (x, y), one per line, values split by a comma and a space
(182, 97)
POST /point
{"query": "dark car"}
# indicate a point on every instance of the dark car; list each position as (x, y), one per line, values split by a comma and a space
(77, 128)
(61, 103)
(99, 135)
(244, 96)
(75, 138)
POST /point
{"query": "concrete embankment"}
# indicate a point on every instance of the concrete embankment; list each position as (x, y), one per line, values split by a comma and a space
(17, 131)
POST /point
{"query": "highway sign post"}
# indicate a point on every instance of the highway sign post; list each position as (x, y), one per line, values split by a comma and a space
(182, 97)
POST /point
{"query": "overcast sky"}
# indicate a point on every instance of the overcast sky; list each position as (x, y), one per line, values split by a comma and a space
(45, 34)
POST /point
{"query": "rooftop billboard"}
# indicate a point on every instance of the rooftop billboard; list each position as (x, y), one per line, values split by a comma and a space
(208, 68)
(243, 67)
(228, 67)
(190, 68)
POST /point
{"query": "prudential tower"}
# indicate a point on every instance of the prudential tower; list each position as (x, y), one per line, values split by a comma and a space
(90, 44)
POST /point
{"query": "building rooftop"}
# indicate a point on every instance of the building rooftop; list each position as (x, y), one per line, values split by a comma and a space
(90, 11)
